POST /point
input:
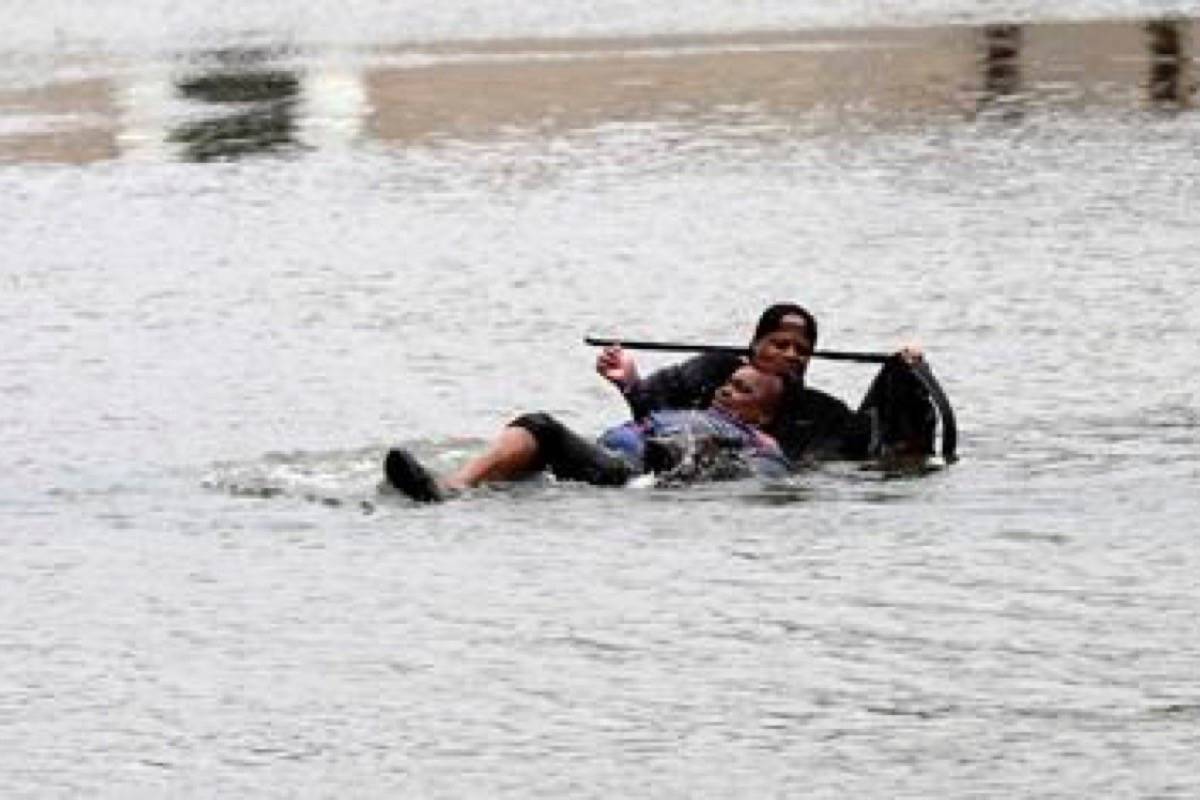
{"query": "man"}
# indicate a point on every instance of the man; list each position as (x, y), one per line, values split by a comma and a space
(895, 417)
(722, 441)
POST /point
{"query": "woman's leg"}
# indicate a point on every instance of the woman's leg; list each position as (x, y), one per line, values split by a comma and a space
(529, 444)
(571, 457)
(513, 454)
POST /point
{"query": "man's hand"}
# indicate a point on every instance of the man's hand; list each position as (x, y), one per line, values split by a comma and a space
(911, 353)
(617, 366)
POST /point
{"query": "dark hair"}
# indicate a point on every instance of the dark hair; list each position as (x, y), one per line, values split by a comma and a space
(769, 321)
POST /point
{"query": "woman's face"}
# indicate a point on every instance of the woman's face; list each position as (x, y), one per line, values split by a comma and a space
(785, 350)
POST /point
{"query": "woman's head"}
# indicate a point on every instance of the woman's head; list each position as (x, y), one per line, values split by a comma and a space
(784, 339)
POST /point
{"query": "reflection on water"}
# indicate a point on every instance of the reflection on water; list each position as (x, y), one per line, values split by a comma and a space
(1170, 84)
(263, 102)
(69, 121)
(1001, 64)
(241, 102)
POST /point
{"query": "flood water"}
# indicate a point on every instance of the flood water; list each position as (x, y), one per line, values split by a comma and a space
(243, 255)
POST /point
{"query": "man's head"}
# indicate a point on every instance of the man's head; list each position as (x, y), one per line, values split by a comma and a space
(784, 339)
(751, 394)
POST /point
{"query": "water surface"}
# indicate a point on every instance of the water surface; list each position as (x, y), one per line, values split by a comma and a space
(239, 265)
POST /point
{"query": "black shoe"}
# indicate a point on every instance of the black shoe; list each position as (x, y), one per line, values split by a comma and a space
(406, 474)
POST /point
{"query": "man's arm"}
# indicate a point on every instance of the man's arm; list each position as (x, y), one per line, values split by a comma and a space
(690, 384)
(896, 416)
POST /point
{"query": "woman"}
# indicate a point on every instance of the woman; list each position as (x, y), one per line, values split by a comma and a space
(723, 440)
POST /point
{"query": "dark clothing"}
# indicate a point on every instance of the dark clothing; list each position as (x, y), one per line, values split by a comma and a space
(698, 441)
(812, 426)
(897, 415)
(684, 445)
(571, 457)
(690, 384)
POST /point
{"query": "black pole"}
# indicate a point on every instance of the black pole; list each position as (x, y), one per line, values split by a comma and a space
(682, 347)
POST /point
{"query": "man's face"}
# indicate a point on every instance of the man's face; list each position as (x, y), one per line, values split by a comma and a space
(785, 350)
(750, 395)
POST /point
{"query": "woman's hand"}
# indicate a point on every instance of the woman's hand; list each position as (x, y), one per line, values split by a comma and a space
(617, 366)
